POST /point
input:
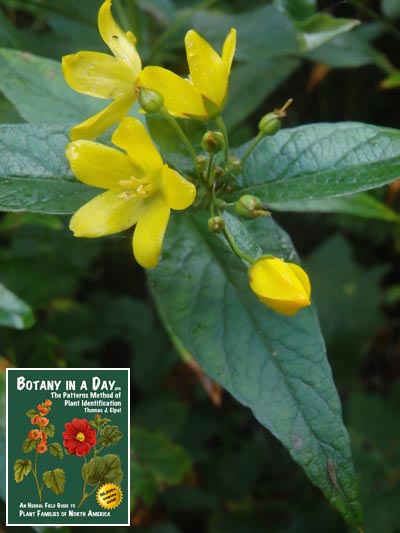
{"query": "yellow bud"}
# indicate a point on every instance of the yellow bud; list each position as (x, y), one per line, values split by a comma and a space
(284, 287)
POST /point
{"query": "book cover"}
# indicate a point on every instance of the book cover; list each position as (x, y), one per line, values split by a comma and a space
(67, 446)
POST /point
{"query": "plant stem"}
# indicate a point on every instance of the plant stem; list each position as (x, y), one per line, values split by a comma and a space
(236, 249)
(34, 473)
(260, 135)
(222, 127)
(182, 135)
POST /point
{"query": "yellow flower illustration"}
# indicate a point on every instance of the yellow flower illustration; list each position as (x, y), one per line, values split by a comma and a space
(284, 287)
(203, 95)
(105, 76)
(141, 189)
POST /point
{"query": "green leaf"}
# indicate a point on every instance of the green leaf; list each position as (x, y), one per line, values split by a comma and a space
(249, 87)
(361, 205)
(34, 172)
(56, 449)
(22, 468)
(55, 480)
(109, 435)
(391, 8)
(31, 413)
(392, 81)
(105, 469)
(322, 160)
(348, 306)
(49, 98)
(173, 149)
(28, 445)
(273, 364)
(49, 430)
(167, 462)
(14, 312)
(321, 28)
(297, 9)
(143, 485)
(351, 50)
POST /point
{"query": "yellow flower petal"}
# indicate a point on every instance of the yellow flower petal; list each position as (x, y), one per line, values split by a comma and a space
(207, 70)
(282, 286)
(133, 137)
(98, 165)
(97, 74)
(150, 230)
(302, 277)
(179, 193)
(106, 214)
(97, 124)
(228, 50)
(181, 99)
(120, 43)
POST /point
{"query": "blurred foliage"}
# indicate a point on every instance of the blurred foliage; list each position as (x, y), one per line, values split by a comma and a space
(195, 466)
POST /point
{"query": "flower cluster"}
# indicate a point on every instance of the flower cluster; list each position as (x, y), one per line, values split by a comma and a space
(40, 420)
(140, 189)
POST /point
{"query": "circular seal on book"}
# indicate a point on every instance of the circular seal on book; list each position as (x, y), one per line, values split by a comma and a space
(109, 496)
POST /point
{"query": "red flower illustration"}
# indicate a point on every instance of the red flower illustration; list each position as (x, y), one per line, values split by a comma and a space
(42, 409)
(42, 421)
(41, 447)
(79, 437)
(34, 434)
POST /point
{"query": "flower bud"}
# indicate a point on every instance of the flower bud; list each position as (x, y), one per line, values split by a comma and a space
(213, 142)
(270, 123)
(234, 166)
(284, 287)
(201, 163)
(216, 224)
(249, 206)
(150, 101)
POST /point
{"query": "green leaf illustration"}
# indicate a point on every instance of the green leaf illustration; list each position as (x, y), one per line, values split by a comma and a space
(55, 480)
(56, 449)
(22, 467)
(49, 430)
(98, 421)
(109, 435)
(31, 413)
(28, 445)
(105, 469)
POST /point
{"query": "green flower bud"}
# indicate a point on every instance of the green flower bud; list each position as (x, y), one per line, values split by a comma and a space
(216, 224)
(150, 101)
(270, 123)
(201, 163)
(249, 206)
(234, 166)
(213, 142)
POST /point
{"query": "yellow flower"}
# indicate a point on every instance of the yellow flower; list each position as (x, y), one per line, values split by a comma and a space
(204, 94)
(141, 189)
(105, 76)
(284, 287)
